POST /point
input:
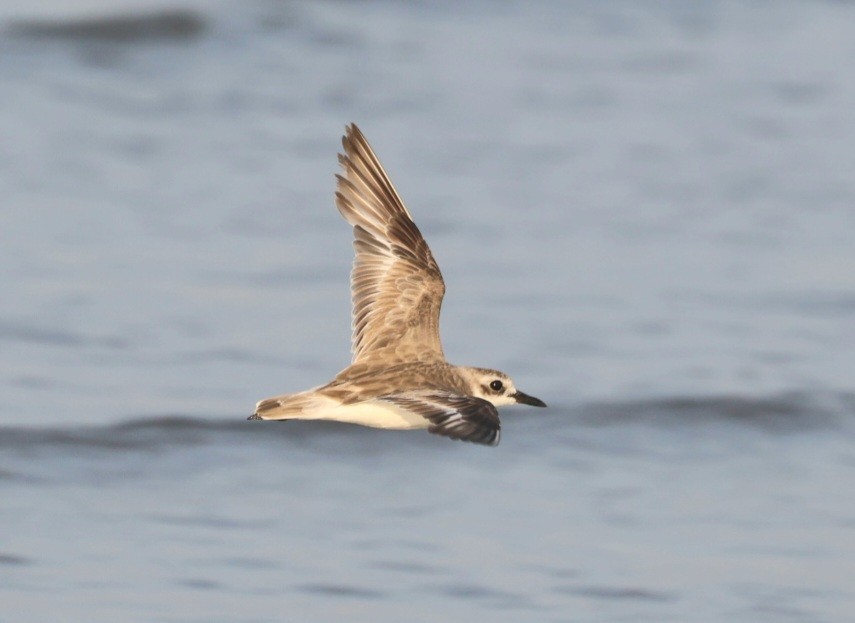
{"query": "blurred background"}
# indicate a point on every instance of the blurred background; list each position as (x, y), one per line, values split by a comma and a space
(644, 212)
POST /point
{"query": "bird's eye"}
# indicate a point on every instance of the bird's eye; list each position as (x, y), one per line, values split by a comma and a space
(496, 385)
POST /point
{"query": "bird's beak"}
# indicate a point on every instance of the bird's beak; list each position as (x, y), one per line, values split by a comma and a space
(525, 399)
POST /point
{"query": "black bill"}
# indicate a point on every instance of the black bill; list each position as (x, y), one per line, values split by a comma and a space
(525, 399)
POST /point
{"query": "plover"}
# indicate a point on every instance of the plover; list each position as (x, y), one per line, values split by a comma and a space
(399, 378)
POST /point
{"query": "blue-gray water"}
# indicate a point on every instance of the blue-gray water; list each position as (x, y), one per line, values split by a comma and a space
(644, 212)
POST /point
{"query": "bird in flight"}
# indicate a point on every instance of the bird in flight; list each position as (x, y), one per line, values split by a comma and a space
(399, 378)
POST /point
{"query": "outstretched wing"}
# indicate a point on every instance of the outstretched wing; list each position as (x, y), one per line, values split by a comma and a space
(458, 417)
(396, 285)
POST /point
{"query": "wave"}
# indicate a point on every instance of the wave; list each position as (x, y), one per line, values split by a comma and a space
(792, 411)
(785, 413)
(167, 24)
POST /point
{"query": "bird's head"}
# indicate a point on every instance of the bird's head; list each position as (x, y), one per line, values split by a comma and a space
(496, 387)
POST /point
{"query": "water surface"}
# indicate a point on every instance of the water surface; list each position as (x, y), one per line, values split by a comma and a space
(643, 212)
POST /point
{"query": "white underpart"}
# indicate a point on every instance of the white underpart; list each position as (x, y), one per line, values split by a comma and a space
(373, 413)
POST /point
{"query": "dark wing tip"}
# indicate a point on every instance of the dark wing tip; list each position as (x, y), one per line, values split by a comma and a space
(475, 420)
(473, 434)
(465, 418)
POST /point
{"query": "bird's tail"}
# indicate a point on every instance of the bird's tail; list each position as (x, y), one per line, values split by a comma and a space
(301, 406)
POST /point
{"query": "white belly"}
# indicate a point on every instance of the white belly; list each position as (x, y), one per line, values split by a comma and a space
(373, 413)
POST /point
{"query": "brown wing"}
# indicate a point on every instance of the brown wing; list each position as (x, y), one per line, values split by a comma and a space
(396, 285)
(458, 417)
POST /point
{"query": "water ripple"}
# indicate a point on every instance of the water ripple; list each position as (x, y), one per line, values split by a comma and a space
(340, 590)
(791, 413)
(169, 25)
(612, 593)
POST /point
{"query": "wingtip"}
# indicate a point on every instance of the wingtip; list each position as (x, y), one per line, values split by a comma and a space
(350, 141)
(351, 133)
(492, 443)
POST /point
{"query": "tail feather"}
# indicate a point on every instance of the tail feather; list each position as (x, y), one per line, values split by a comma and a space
(301, 406)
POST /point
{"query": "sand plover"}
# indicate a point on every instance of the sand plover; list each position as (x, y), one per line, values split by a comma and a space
(399, 378)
